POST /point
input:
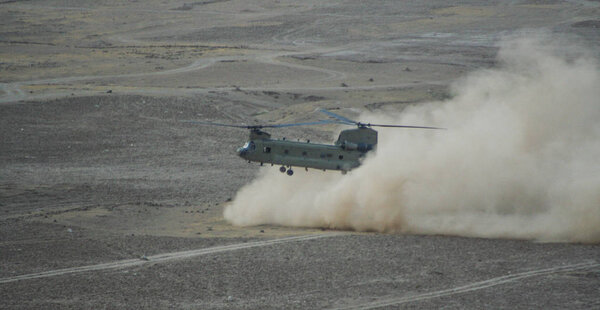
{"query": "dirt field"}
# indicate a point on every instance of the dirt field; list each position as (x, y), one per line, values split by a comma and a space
(108, 200)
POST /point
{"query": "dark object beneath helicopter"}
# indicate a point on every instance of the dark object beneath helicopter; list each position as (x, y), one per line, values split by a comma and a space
(344, 155)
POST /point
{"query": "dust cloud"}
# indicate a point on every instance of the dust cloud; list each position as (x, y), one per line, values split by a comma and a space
(520, 159)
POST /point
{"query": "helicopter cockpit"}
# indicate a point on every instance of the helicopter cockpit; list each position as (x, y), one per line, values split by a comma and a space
(247, 148)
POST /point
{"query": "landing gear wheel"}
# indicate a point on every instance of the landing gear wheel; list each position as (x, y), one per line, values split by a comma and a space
(290, 172)
(282, 169)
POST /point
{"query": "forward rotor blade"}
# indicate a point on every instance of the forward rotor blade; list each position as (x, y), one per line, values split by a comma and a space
(323, 122)
(218, 124)
(339, 117)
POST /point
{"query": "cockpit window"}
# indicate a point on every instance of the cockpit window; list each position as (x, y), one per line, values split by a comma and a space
(249, 146)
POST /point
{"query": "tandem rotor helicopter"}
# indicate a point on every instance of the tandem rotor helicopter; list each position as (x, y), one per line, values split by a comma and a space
(344, 155)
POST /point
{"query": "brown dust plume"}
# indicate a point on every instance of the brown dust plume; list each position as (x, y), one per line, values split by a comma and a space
(520, 159)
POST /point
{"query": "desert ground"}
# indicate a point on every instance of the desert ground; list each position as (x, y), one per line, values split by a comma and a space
(109, 200)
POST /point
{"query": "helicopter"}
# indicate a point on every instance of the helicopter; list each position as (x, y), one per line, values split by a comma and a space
(344, 155)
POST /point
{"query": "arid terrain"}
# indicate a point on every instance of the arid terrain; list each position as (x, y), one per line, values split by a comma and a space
(109, 200)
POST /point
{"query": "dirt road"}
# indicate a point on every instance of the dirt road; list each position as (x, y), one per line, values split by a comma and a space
(108, 200)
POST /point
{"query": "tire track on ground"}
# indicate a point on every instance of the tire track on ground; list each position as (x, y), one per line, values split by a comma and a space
(159, 258)
(393, 301)
(13, 92)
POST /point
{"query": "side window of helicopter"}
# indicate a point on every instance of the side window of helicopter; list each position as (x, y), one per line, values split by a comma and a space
(252, 146)
(267, 149)
(341, 157)
(286, 151)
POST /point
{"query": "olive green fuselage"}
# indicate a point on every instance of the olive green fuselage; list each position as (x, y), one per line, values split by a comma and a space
(346, 154)
(301, 154)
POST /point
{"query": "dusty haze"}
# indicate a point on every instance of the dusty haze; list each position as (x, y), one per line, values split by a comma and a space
(520, 159)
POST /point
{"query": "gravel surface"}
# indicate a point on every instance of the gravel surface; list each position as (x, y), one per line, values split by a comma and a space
(103, 188)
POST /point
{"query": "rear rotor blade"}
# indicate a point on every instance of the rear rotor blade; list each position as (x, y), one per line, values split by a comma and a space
(402, 126)
(339, 117)
(347, 121)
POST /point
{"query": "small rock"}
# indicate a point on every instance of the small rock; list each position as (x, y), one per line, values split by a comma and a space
(109, 91)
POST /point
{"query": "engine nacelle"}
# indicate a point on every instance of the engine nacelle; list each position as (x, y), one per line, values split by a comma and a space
(349, 146)
(361, 147)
